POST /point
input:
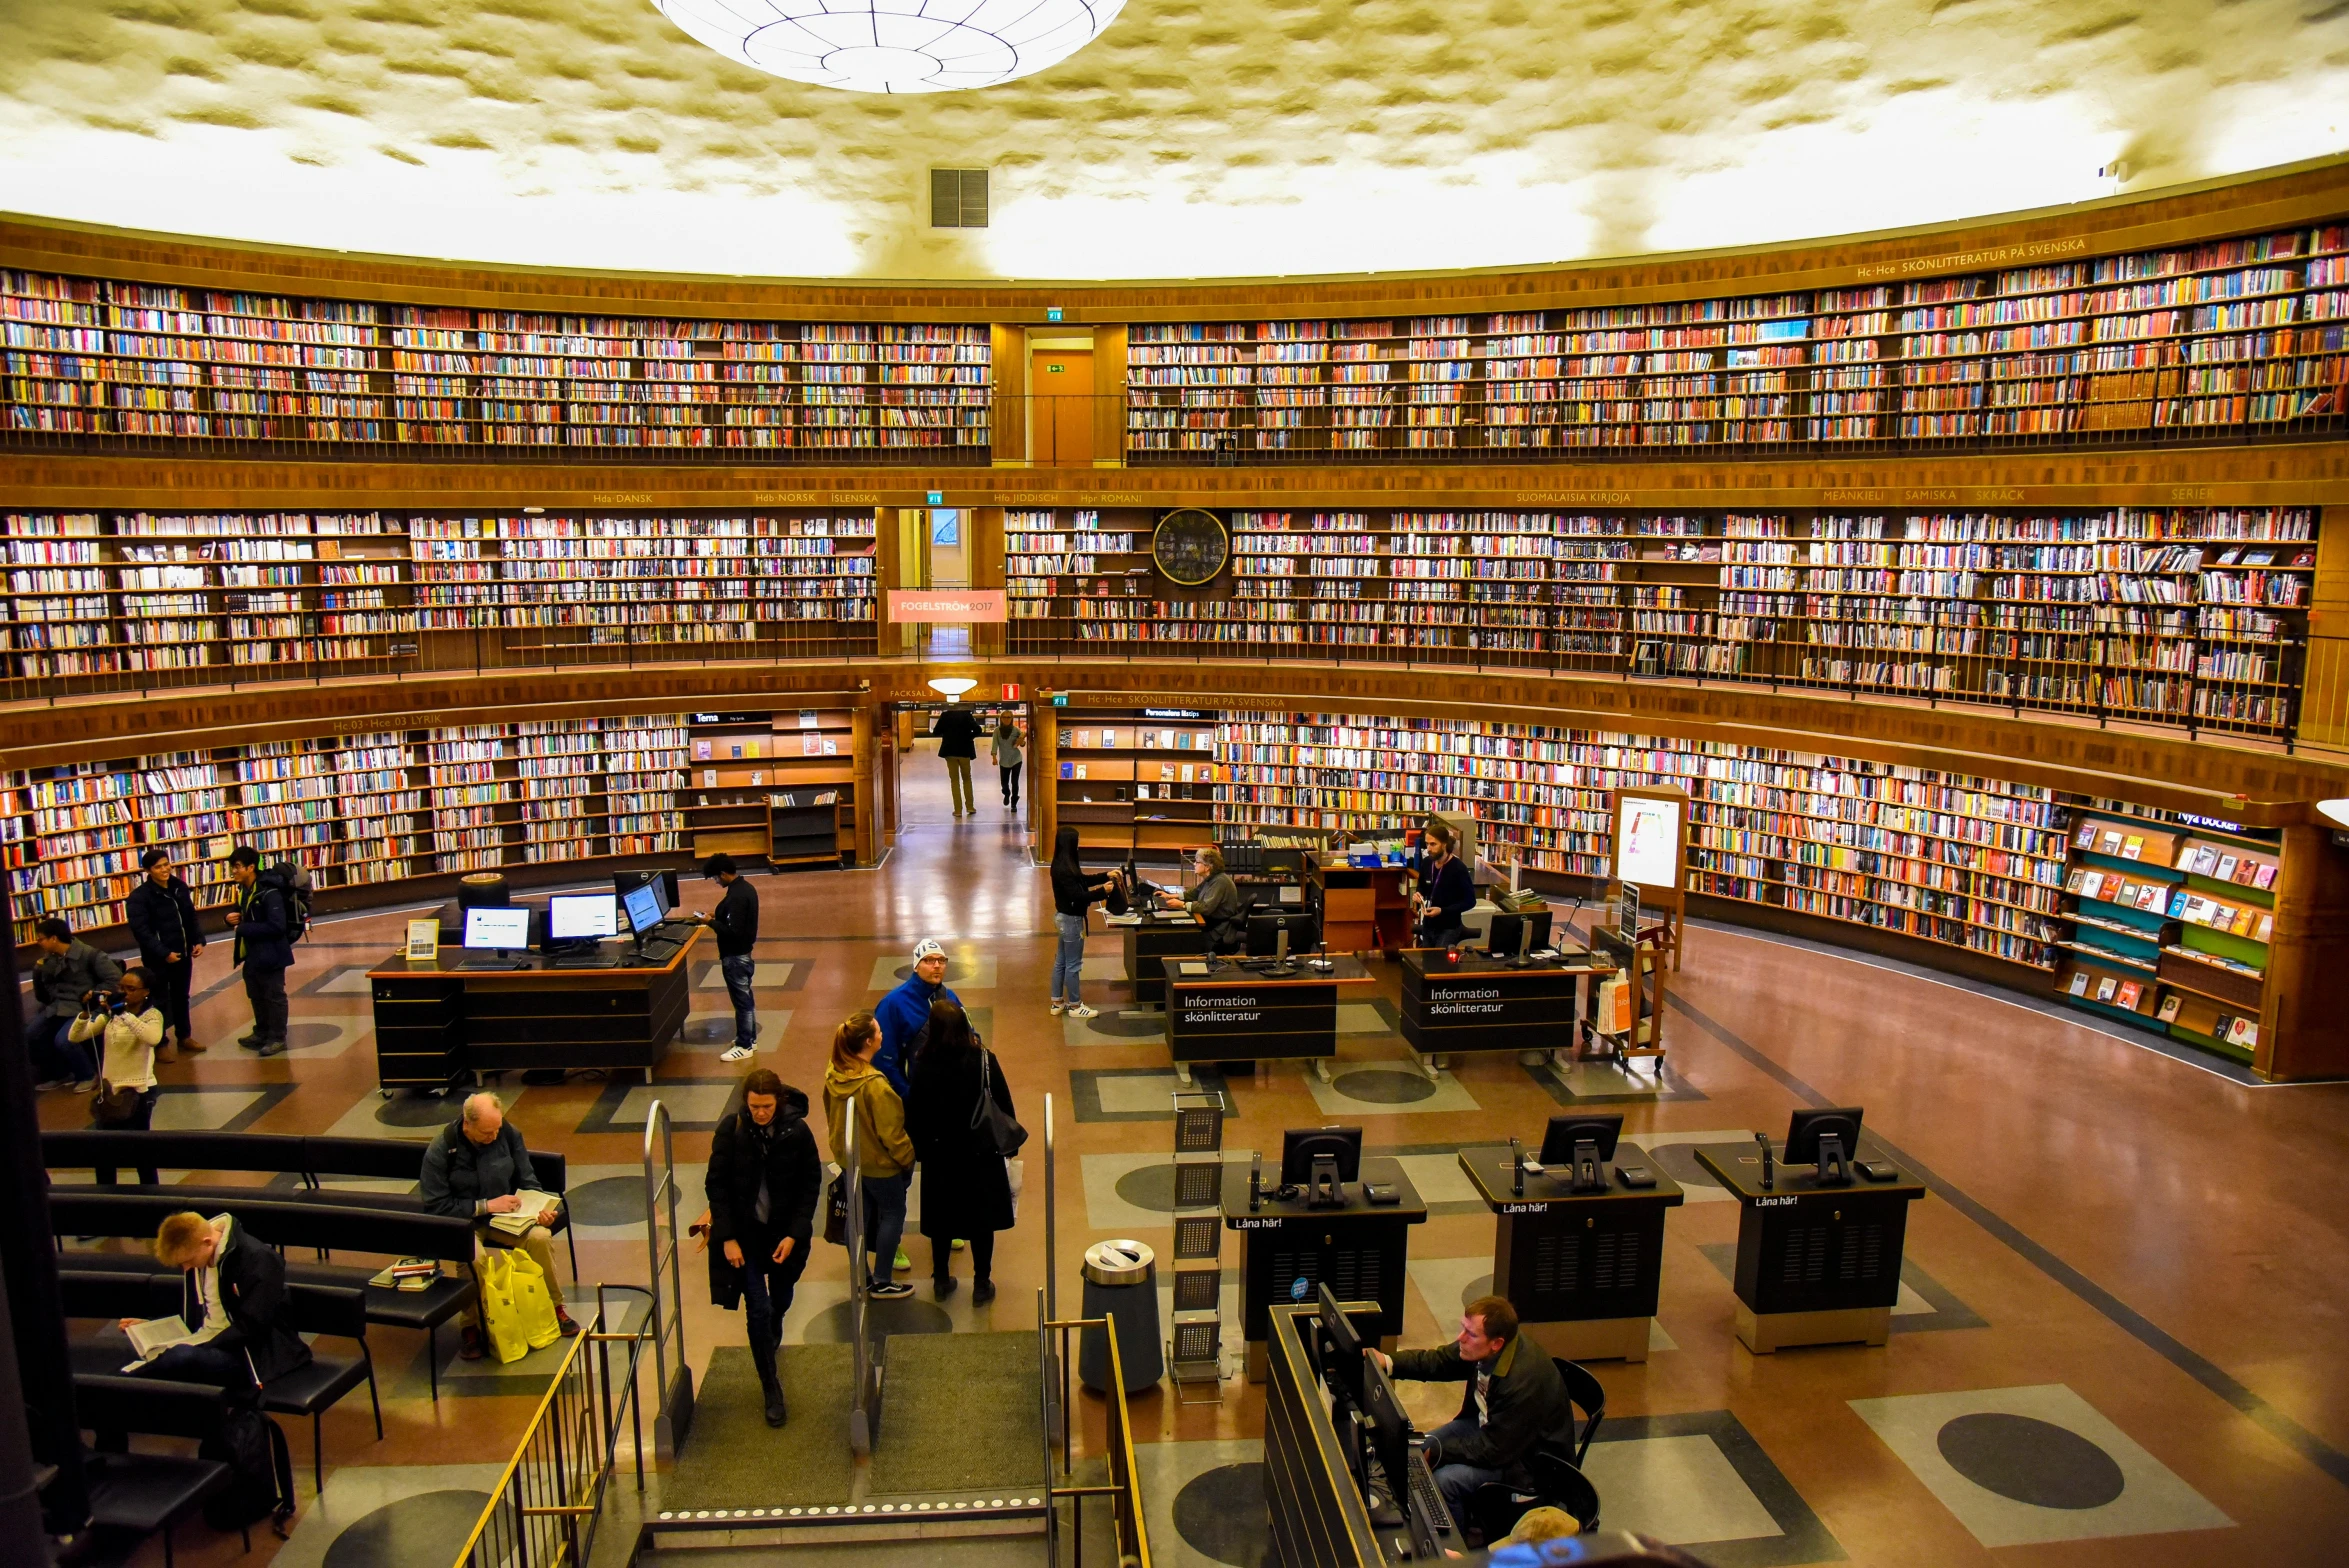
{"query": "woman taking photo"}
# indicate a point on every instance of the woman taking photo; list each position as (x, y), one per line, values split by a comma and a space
(884, 1155)
(966, 1187)
(131, 1028)
(1073, 892)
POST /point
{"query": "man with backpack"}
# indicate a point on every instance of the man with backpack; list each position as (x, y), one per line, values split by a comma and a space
(269, 918)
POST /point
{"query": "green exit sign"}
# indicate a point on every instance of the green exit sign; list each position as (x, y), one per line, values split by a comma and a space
(1060, 699)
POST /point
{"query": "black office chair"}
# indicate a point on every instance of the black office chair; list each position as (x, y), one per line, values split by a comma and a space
(314, 1387)
(1555, 1481)
(1589, 1396)
(146, 1494)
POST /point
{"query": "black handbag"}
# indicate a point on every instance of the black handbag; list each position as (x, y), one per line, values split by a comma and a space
(112, 1107)
(836, 1211)
(992, 1127)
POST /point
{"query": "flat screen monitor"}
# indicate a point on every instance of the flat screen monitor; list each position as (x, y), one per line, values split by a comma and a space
(1506, 939)
(1300, 1144)
(1341, 1355)
(1564, 1132)
(1390, 1431)
(502, 930)
(1807, 1127)
(1266, 925)
(669, 894)
(582, 917)
(643, 908)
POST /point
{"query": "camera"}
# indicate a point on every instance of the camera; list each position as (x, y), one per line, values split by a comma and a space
(104, 1002)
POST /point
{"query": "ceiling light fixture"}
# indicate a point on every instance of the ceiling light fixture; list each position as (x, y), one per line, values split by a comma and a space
(895, 46)
(2335, 811)
(952, 685)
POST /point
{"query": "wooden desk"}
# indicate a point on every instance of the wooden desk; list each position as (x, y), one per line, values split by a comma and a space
(1149, 943)
(1581, 1268)
(1477, 1003)
(435, 1022)
(1815, 1265)
(1237, 1015)
(1288, 1250)
(1364, 909)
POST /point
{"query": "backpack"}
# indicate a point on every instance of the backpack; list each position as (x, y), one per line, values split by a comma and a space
(292, 879)
(261, 1472)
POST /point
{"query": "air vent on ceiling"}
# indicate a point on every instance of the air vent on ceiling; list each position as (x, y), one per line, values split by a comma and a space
(958, 198)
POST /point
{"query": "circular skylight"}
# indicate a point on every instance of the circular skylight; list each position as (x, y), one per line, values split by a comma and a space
(895, 46)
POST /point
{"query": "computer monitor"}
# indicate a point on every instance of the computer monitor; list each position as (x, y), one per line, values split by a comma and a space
(1266, 925)
(1583, 1143)
(670, 898)
(1300, 1144)
(1341, 1350)
(1828, 1137)
(642, 905)
(505, 930)
(1506, 937)
(1390, 1440)
(582, 917)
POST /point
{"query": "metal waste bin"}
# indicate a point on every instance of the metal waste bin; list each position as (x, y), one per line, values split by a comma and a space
(1121, 1281)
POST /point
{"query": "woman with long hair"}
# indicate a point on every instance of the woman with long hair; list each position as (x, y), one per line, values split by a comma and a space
(966, 1187)
(1009, 759)
(884, 1155)
(1073, 892)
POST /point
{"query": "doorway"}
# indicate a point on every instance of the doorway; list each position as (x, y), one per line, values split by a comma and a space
(1060, 421)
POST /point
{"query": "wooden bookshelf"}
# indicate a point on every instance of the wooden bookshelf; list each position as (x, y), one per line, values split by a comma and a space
(1136, 782)
(107, 360)
(812, 811)
(2192, 616)
(2236, 335)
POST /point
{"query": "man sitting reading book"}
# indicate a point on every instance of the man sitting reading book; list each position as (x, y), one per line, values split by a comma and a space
(478, 1169)
(231, 1326)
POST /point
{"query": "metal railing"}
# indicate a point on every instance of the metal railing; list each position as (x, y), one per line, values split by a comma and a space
(545, 1508)
(673, 1379)
(864, 1404)
(1124, 1487)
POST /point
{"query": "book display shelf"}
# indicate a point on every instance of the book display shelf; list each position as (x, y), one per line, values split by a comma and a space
(2192, 616)
(108, 361)
(357, 810)
(774, 786)
(2169, 923)
(1135, 783)
(99, 600)
(2234, 335)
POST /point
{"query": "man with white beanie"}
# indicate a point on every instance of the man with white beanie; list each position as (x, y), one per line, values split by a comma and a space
(904, 1017)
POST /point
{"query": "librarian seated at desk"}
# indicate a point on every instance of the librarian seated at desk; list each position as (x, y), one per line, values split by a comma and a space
(1515, 1401)
(1446, 891)
(1217, 904)
(478, 1167)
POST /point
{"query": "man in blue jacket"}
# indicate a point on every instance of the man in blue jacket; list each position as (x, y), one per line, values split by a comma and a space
(265, 948)
(904, 1017)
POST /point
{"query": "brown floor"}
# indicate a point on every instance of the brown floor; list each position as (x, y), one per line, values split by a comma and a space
(2166, 1244)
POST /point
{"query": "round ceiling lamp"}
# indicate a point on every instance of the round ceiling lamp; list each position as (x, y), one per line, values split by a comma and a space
(895, 46)
(952, 685)
(2335, 811)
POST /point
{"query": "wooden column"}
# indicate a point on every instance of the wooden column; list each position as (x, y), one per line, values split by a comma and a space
(2304, 1027)
(2324, 696)
(860, 719)
(1044, 773)
(1109, 396)
(1009, 434)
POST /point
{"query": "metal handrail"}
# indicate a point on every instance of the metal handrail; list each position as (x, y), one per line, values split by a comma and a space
(661, 1253)
(861, 1403)
(1125, 1488)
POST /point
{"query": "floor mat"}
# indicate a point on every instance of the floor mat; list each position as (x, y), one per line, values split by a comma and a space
(733, 1459)
(959, 1413)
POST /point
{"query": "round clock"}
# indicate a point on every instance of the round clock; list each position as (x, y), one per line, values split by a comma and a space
(1190, 547)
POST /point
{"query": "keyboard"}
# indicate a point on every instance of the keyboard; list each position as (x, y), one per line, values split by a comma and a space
(1427, 1499)
(677, 927)
(660, 951)
(489, 963)
(582, 961)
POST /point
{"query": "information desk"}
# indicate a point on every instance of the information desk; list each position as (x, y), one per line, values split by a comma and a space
(1815, 1265)
(435, 1022)
(1234, 1014)
(1474, 1003)
(1287, 1251)
(1581, 1268)
(1150, 942)
(1312, 1505)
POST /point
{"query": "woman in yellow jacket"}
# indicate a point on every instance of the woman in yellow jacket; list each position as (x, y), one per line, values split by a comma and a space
(885, 1155)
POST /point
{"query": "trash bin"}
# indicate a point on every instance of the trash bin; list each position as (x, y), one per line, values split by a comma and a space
(1121, 1281)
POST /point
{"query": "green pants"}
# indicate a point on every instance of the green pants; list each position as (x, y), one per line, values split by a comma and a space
(958, 783)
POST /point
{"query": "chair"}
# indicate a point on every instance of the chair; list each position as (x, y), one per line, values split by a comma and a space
(312, 1389)
(1554, 1481)
(1589, 1396)
(144, 1493)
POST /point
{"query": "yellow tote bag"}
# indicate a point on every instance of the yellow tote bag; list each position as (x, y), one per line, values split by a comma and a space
(515, 1308)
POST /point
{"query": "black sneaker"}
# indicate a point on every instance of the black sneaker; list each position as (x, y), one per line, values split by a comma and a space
(982, 1292)
(892, 1291)
(943, 1286)
(270, 1048)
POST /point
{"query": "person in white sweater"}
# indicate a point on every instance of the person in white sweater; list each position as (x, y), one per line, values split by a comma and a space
(131, 1027)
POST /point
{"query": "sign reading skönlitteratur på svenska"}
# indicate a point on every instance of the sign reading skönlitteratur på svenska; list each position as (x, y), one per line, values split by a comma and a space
(980, 605)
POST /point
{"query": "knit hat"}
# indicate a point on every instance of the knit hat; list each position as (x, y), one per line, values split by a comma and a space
(926, 947)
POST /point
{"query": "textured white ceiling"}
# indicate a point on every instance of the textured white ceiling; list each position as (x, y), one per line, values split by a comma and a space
(1196, 138)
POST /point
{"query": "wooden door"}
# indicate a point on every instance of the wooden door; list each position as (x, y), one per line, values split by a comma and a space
(1060, 383)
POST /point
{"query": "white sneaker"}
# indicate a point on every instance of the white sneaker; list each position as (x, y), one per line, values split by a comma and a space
(1082, 1011)
(735, 1053)
(1056, 1009)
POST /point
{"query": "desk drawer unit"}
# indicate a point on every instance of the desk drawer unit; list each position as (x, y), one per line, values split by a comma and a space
(419, 1031)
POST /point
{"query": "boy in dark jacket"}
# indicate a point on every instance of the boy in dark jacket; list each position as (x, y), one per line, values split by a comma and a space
(736, 922)
(763, 1181)
(69, 970)
(233, 1298)
(1515, 1400)
(264, 946)
(162, 915)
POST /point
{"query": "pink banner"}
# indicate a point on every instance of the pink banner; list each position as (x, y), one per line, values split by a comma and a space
(984, 605)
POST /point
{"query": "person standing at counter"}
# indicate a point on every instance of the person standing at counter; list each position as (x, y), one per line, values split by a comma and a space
(1217, 903)
(1073, 892)
(1446, 890)
(736, 921)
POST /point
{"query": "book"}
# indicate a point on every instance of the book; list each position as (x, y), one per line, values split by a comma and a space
(2127, 995)
(2265, 877)
(2133, 847)
(156, 1335)
(2079, 985)
(2168, 1011)
(2242, 922)
(2106, 987)
(2225, 870)
(2110, 843)
(2267, 926)
(533, 1205)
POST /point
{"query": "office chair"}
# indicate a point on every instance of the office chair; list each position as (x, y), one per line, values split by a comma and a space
(1589, 1397)
(1555, 1481)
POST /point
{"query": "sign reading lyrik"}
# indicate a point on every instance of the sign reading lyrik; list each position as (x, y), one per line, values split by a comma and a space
(981, 605)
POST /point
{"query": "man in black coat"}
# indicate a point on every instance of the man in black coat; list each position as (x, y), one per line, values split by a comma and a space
(1515, 1399)
(957, 730)
(763, 1181)
(162, 917)
(232, 1298)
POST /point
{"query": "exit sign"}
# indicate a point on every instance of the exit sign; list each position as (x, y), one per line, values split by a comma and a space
(1052, 313)
(937, 498)
(1060, 699)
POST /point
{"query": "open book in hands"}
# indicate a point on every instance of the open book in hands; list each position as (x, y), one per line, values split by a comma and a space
(534, 1205)
(156, 1335)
